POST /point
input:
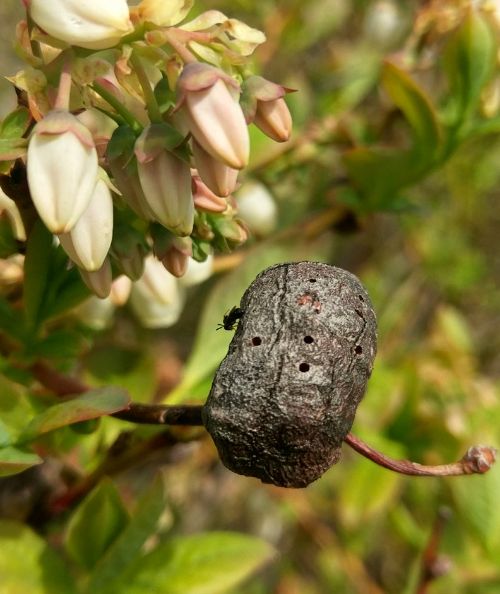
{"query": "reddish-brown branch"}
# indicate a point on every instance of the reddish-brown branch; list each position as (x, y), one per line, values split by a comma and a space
(477, 459)
(158, 414)
(433, 564)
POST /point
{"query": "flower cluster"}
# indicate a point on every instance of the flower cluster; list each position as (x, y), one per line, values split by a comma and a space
(138, 128)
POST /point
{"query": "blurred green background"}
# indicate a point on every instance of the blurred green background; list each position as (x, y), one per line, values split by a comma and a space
(429, 258)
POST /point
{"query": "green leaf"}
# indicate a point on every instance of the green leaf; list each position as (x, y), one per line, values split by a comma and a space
(379, 174)
(29, 565)
(476, 498)
(9, 320)
(121, 143)
(12, 461)
(417, 108)
(11, 149)
(70, 293)
(15, 123)
(201, 564)
(93, 404)
(128, 546)
(367, 490)
(36, 272)
(469, 60)
(210, 346)
(59, 344)
(8, 243)
(96, 524)
(14, 411)
(164, 96)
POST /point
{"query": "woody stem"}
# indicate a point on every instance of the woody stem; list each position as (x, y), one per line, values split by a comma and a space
(477, 459)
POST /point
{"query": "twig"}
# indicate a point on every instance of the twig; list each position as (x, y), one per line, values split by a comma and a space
(157, 414)
(478, 459)
(433, 564)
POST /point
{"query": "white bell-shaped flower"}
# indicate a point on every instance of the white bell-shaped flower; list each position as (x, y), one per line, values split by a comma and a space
(93, 24)
(62, 169)
(87, 244)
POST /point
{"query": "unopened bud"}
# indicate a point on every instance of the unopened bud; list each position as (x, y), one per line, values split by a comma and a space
(91, 24)
(204, 199)
(197, 272)
(99, 281)
(161, 13)
(62, 170)
(266, 107)
(95, 313)
(208, 97)
(220, 178)
(87, 244)
(177, 256)
(120, 290)
(256, 206)
(155, 297)
(166, 183)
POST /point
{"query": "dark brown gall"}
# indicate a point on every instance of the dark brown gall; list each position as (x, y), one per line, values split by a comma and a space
(285, 396)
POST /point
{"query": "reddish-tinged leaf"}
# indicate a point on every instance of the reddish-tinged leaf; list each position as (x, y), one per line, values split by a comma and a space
(95, 403)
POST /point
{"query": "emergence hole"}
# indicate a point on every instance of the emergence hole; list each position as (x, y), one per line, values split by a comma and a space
(361, 297)
(308, 339)
(358, 350)
(304, 367)
(256, 340)
(312, 280)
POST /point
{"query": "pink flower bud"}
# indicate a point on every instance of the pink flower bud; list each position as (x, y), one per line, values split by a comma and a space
(274, 119)
(166, 183)
(99, 281)
(220, 178)
(205, 199)
(177, 256)
(92, 24)
(208, 97)
(266, 108)
(126, 178)
(62, 170)
(88, 242)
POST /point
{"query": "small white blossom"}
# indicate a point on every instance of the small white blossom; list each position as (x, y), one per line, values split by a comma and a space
(87, 244)
(156, 298)
(93, 24)
(62, 170)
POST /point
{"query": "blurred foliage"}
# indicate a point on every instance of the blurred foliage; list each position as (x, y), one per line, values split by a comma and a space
(391, 173)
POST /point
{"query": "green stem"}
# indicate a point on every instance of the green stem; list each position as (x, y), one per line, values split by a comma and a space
(118, 106)
(149, 96)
